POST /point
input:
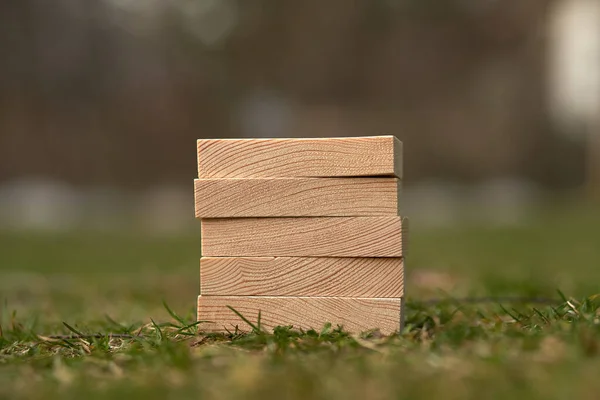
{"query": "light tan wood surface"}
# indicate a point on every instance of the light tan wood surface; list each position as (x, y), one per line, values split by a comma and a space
(321, 157)
(302, 237)
(355, 315)
(302, 276)
(296, 197)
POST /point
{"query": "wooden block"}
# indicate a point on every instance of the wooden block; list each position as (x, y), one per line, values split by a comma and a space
(322, 157)
(302, 237)
(296, 197)
(355, 315)
(302, 276)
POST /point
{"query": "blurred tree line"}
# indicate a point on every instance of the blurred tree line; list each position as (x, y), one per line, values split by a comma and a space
(116, 92)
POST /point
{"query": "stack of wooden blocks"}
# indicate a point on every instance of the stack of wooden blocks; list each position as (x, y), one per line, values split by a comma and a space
(306, 231)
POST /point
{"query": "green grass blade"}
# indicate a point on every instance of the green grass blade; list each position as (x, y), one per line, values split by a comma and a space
(75, 331)
(159, 332)
(255, 328)
(173, 314)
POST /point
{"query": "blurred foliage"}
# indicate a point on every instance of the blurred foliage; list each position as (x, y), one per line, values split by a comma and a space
(116, 92)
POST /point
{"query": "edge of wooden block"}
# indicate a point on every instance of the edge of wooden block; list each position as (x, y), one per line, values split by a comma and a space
(398, 158)
(402, 314)
(404, 227)
(299, 139)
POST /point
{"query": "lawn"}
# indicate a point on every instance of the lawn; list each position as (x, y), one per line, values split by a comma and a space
(62, 294)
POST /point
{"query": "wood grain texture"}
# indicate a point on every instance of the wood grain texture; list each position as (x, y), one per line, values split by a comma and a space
(319, 157)
(302, 276)
(296, 197)
(302, 237)
(355, 315)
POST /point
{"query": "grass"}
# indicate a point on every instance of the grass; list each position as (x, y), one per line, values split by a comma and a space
(82, 314)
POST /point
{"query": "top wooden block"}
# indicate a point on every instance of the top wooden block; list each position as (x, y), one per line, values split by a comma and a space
(316, 158)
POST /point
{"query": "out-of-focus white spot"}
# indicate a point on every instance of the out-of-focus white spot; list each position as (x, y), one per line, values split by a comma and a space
(168, 210)
(211, 21)
(139, 6)
(165, 210)
(574, 61)
(504, 201)
(39, 204)
(501, 202)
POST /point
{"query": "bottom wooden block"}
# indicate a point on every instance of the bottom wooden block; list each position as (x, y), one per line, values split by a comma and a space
(354, 314)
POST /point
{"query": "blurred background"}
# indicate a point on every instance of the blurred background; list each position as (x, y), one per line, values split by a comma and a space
(101, 102)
